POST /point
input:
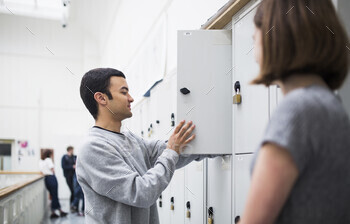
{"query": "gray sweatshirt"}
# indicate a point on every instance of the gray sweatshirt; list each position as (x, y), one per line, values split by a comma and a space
(122, 176)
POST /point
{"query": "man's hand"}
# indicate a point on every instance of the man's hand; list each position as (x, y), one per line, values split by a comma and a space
(180, 136)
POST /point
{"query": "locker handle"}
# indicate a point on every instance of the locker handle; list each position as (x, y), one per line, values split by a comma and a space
(210, 211)
(188, 205)
(237, 86)
(185, 91)
(237, 219)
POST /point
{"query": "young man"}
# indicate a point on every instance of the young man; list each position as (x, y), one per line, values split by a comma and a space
(121, 174)
(68, 166)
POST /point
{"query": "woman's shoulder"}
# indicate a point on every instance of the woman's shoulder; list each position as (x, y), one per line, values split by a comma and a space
(310, 99)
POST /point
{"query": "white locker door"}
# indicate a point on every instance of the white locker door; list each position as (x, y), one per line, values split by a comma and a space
(204, 78)
(166, 107)
(137, 118)
(164, 94)
(219, 189)
(145, 117)
(177, 191)
(164, 208)
(251, 116)
(242, 164)
(194, 192)
(156, 111)
(172, 105)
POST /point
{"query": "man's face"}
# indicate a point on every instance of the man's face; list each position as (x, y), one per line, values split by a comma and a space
(120, 105)
(70, 152)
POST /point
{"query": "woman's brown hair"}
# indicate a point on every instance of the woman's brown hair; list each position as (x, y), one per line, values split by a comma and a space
(301, 36)
(47, 153)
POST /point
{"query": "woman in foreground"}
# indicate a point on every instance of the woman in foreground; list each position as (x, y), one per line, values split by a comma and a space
(301, 173)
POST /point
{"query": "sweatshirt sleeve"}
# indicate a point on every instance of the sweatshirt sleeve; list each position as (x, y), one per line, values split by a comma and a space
(106, 172)
(156, 147)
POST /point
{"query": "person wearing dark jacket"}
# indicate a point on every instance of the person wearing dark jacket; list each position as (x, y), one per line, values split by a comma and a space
(68, 165)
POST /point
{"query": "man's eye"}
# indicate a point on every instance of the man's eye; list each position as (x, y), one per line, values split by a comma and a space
(124, 93)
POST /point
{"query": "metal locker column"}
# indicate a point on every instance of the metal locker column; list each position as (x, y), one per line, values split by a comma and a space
(194, 192)
(219, 189)
(242, 178)
(204, 88)
(156, 111)
(251, 116)
(177, 191)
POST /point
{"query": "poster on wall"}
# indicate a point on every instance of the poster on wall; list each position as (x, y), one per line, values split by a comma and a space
(24, 150)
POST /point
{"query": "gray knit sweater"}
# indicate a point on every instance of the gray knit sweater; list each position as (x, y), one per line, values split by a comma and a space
(122, 175)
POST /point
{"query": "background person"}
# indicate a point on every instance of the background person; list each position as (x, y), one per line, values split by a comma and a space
(68, 166)
(47, 168)
(78, 195)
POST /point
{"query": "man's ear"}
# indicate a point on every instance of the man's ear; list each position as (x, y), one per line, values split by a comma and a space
(100, 98)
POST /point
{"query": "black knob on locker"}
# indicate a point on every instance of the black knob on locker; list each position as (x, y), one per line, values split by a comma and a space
(151, 126)
(157, 121)
(210, 211)
(188, 205)
(185, 91)
(160, 196)
(172, 199)
(237, 219)
(172, 120)
(237, 86)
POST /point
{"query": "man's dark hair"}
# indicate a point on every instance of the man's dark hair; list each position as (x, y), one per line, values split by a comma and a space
(69, 148)
(96, 80)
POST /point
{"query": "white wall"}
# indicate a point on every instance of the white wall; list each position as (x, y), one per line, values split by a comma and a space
(39, 97)
(137, 30)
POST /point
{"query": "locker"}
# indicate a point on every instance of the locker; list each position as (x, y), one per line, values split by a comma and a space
(165, 93)
(156, 111)
(204, 88)
(164, 211)
(172, 104)
(145, 117)
(194, 192)
(163, 104)
(219, 189)
(251, 116)
(177, 191)
(242, 165)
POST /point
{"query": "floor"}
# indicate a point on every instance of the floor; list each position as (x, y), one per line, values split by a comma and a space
(71, 218)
